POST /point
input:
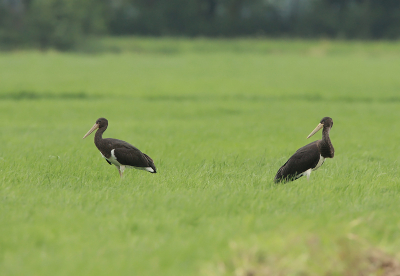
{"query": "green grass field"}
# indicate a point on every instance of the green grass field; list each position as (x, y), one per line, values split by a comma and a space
(219, 117)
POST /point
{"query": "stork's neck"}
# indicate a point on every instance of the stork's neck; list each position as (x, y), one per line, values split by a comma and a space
(101, 143)
(98, 137)
(325, 145)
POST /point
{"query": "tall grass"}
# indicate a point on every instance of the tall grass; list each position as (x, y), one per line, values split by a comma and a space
(218, 125)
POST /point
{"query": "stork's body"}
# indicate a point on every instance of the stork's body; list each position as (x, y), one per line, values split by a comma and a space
(120, 153)
(310, 157)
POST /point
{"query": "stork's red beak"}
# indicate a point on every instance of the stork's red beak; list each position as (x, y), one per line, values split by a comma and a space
(96, 126)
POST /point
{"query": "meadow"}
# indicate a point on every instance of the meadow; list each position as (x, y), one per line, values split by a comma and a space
(219, 117)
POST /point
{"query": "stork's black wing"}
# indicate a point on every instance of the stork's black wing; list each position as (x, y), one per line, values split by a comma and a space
(107, 161)
(304, 158)
(133, 157)
(116, 143)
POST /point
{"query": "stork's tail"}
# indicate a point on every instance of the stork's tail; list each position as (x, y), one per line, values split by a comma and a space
(151, 164)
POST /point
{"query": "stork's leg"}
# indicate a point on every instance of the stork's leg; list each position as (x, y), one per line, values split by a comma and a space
(308, 173)
(121, 170)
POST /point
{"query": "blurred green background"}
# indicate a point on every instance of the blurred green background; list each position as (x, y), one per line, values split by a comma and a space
(67, 24)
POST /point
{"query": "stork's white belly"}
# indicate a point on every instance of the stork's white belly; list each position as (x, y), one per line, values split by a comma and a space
(320, 162)
(308, 172)
(112, 159)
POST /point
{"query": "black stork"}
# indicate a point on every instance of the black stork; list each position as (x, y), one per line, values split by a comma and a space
(310, 157)
(120, 153)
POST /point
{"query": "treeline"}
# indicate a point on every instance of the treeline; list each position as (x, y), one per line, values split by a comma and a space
(63, 24)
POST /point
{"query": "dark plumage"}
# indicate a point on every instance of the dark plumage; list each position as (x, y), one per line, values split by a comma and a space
(118, 152)
(310, 157)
